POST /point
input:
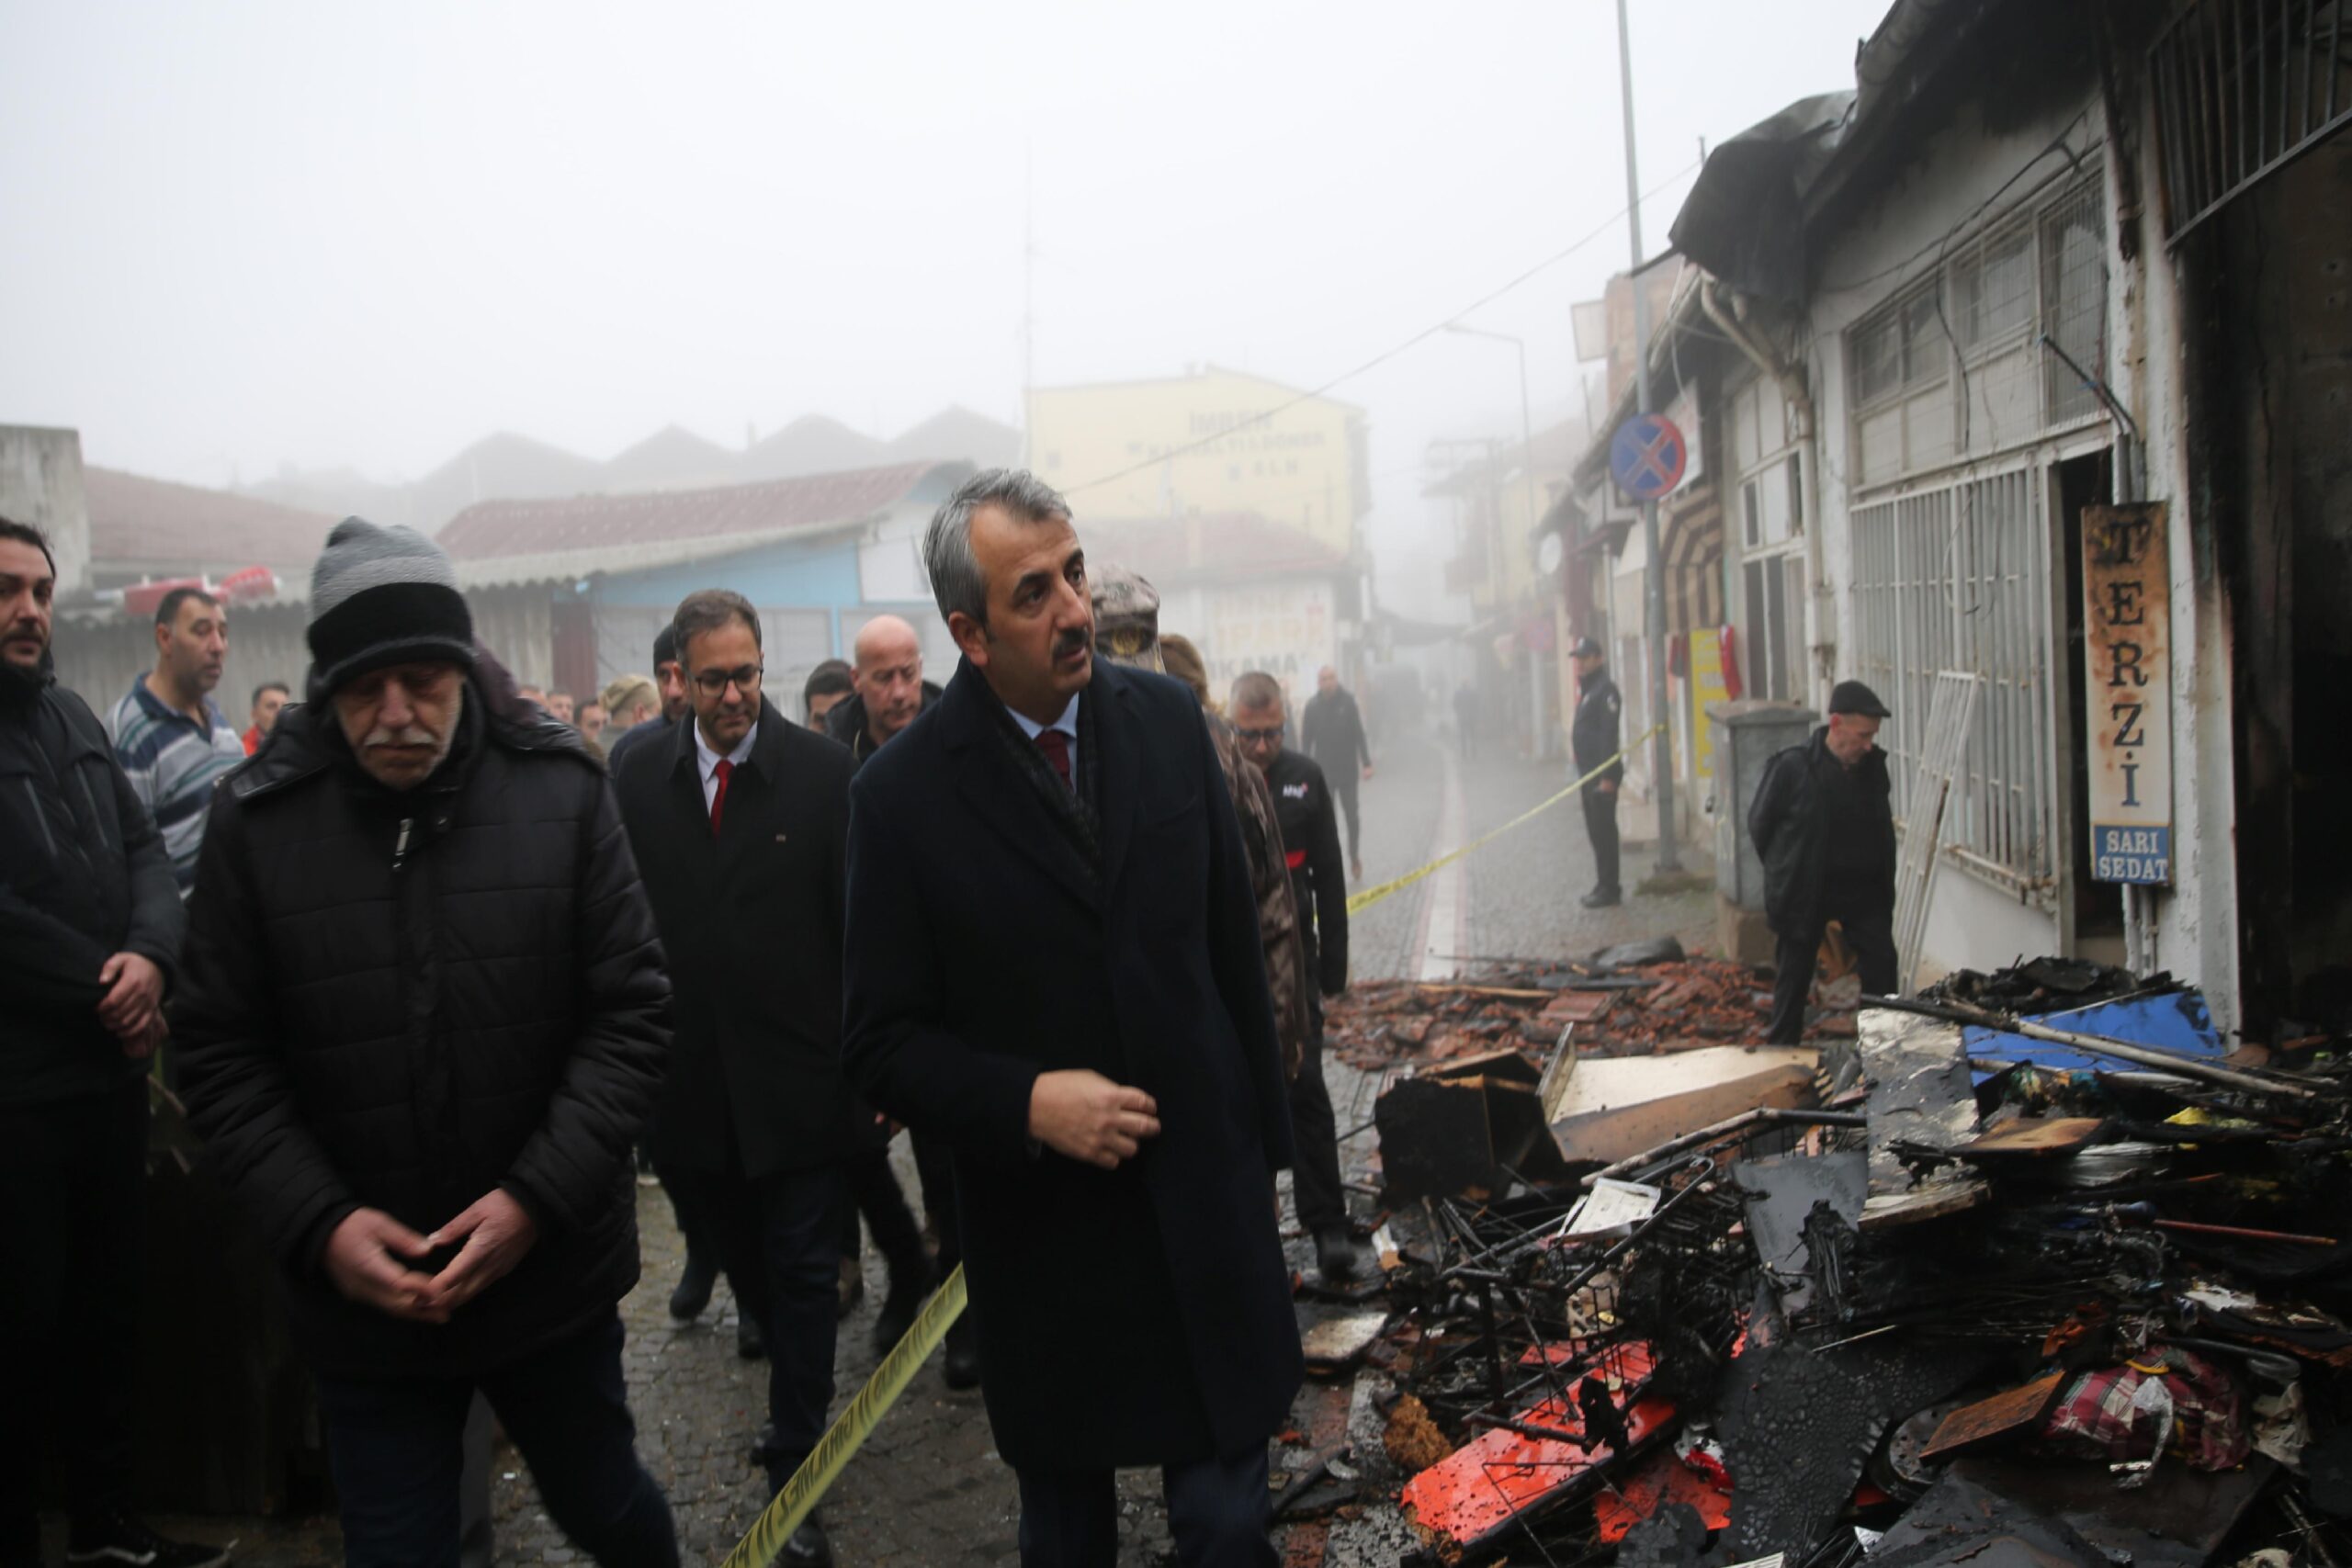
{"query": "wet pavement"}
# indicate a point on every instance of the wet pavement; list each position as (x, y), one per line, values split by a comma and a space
(929, 1488)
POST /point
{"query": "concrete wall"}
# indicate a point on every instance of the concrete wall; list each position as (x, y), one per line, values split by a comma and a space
(99, 657)
(2192, 928)
(40, 484)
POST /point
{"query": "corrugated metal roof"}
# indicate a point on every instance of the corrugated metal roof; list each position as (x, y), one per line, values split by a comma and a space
(498, 530)
(163, 529)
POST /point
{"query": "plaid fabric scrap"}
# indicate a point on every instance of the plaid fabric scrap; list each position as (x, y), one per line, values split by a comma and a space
(2096, 1415)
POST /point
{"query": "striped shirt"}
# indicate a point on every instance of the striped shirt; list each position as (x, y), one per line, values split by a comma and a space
(173, 764)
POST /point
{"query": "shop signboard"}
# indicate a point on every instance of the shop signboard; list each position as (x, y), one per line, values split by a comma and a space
(2127, 623)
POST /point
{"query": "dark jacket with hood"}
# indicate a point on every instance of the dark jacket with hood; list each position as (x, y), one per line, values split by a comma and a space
(845, 722)
(82, 876)
(1790, 823)
(403, 999)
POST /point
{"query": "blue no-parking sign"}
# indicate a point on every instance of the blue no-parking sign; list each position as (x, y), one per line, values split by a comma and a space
(1646, 457)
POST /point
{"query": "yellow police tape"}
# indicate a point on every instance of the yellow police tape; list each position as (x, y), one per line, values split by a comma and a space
(851, 1428)
(1372, 896)
(854, 1424)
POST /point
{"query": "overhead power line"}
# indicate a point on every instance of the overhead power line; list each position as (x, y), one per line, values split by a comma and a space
(1388, 354)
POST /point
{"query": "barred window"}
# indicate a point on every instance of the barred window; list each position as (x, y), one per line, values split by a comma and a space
(1958, 578)
(1955, 367)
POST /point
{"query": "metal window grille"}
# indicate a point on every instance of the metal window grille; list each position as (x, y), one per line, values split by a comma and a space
(1958, 579)
(2241, 88)
(2073, 301)
(2039, 268)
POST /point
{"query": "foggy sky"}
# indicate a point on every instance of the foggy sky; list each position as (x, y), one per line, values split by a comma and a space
(241, 235)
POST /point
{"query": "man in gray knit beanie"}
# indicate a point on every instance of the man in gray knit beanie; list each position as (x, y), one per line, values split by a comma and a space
(383, 595)
(422, 1015)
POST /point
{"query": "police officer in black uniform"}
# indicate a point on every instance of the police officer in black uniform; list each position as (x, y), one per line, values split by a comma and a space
(1594, 737)
(1310, 828)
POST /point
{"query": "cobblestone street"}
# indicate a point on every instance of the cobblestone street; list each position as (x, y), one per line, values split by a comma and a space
(929, 1488)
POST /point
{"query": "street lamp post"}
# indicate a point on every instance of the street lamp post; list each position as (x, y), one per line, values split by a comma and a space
(1668, 860)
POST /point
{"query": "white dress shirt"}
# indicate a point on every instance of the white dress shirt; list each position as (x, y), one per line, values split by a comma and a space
(1066, 724)
(707, 759)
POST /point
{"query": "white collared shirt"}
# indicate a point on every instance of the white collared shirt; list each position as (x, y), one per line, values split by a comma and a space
(1066, 724)
(708, 761)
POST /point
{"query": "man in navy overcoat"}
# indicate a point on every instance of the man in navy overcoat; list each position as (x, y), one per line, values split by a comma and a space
(1052, 961)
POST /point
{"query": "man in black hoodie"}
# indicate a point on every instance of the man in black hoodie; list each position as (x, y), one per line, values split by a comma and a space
(424, 1014)
(90, 929)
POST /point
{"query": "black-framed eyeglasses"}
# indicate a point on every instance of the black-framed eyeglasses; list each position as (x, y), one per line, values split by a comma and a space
(714, 682)
(1262, 737)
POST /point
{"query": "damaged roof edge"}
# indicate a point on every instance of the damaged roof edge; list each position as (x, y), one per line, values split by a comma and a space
(1745, 218)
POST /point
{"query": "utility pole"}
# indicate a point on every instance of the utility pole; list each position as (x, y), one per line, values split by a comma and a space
(1028, 302)
(1662, 770)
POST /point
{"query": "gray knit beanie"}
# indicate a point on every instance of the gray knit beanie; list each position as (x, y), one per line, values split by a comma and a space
(383, 595)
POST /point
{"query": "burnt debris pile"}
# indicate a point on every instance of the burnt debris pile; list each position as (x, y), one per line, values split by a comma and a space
(1985, 1293)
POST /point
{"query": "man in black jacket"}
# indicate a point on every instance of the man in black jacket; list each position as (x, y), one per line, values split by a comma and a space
(702, 1268)
(422, 1022)
(1053, 963)
(1330, 731)
(886, 693)
(1594, 738)
(1825, 830)
(1319, 888)
(740, 821)
(887, 684)
(90, 929)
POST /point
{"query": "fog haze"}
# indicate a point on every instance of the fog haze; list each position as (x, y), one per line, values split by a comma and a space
(253, 235)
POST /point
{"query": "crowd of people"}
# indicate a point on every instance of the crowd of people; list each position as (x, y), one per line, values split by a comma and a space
(438, 961)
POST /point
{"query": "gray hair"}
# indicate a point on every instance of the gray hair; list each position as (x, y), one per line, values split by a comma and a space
(956, 581)
(707, 610)
(1257, 690)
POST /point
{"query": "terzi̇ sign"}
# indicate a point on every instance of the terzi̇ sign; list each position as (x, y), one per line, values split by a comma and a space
(2127, 589)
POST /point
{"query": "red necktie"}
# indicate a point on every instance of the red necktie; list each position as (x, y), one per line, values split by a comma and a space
(1056, 746)
(719, 796)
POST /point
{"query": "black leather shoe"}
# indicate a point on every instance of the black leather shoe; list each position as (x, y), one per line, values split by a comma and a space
(961, 1371)
(1335, 1253)
(807, 1545)
(750, 1343)
(693, 1293)
(764, 1446)
(1602, 898)
(897, 1315)
(114, 1537)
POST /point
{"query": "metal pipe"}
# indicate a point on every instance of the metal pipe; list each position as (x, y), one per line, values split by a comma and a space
(1791, 381)
(1763, 1115)
(2097, 1045)
(1662, 765)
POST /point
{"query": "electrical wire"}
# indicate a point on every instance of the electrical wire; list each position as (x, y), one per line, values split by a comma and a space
(2058, 144)
(1387, 355)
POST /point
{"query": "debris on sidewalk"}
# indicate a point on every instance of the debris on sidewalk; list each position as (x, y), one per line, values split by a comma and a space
(1468, 1128)
(1635, 999)
(1943, 1303)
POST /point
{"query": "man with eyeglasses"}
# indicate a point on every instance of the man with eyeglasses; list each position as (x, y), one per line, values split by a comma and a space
(740, 819)
(1310, 825)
